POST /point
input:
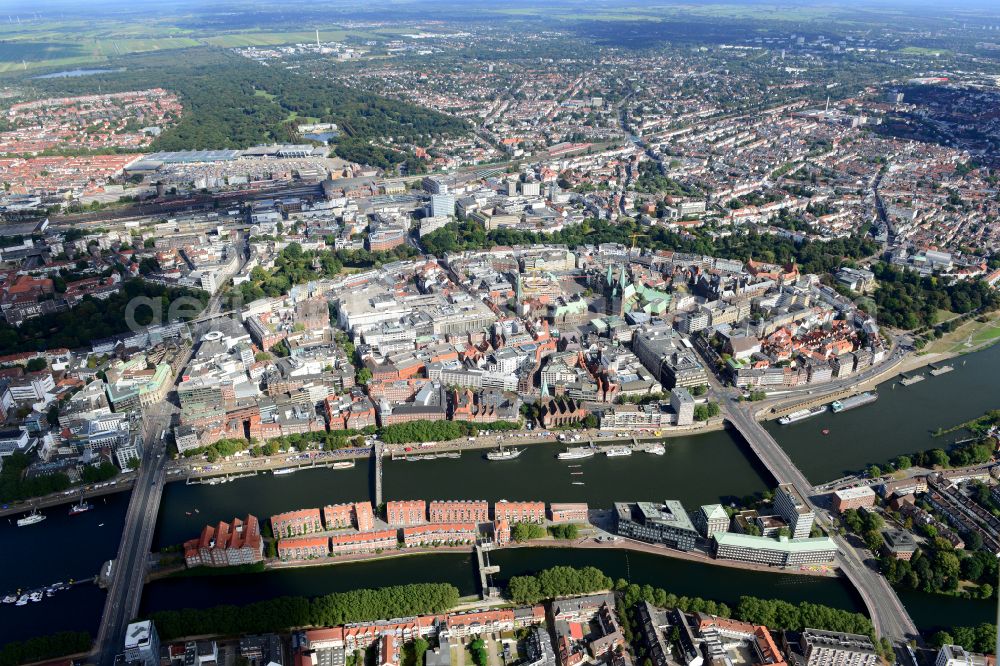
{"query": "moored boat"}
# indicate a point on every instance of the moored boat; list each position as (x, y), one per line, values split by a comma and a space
(802, 415)
(30, 519)
(853, 402)
(577, 453)
(503, 454)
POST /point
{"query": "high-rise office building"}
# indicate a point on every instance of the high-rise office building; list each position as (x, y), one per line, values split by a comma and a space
(791, 506)
(142, 643)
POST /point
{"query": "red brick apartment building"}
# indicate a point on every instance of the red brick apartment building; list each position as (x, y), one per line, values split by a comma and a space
(853, 498)
(226, 544)
(436, 533)
(403, 513)
(296, 523)
(303, 548)
(568, 513)
(501, 532)
(476, 511)
(363, 542)
(341, 516)
(520, 512)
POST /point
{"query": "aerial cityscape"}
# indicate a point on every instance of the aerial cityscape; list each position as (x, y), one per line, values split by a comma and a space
(412, 333)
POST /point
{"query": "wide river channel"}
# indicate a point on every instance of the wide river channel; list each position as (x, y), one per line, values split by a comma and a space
(699, 469)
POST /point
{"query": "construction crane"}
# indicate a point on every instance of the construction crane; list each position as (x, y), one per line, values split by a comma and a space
(634, 236)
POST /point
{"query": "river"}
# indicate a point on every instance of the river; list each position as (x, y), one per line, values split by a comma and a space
(681, 577)
(61, 548)
(902, 421)
(698, 469)
(681, 474)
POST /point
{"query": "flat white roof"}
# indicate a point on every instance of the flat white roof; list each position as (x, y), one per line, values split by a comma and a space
(854, 493)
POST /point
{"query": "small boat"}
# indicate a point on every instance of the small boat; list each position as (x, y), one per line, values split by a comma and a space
(187, 513)
(22, 600)
(572, 466)
(576, 473)
(578, 483)
(99, 525)
(282, 472)
(617, 451)
(197, 511)
(10, 598)
(343, 464)
(825, 431)
(80, 507)
(35, 596)
(657, 449)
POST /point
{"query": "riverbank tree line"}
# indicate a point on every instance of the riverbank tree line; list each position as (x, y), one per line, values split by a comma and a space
(44, 647)
(981, 638)
(439, 431)
(284, 613)
(335, 440)
(561, 581)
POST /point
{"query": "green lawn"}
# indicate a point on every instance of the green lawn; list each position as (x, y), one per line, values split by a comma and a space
(988, 333)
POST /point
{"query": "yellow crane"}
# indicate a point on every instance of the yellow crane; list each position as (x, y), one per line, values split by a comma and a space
(634, 236)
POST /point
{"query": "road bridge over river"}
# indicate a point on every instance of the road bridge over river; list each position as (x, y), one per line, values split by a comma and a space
(890, 618)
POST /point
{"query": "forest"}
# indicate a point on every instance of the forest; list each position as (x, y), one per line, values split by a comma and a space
(234, 102)
(95, 319)
(329, 610)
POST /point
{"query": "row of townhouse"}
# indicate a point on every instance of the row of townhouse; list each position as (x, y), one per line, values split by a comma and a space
(374, 541)
(408, 513)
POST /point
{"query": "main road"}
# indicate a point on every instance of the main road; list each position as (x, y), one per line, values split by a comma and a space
(128, 572)
(887, 613)
(889, 617)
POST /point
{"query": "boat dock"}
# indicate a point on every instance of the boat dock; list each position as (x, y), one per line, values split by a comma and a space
(22, 597)
(941, 369)
(912, 379)
(215, 480)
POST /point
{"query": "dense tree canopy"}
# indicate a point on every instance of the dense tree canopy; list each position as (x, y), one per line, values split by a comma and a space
(234, 102)
(906, 300)
(438, 431)
(293, 265)
(777, 614)
(95, 319)
(812, 257)
(44, 647)
(555, 582)
(329, 610)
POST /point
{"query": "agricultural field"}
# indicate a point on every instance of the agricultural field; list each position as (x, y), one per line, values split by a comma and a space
(73, 44)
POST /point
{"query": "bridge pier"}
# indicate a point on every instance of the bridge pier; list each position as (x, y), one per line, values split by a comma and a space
(377, 459)
(485, 570)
